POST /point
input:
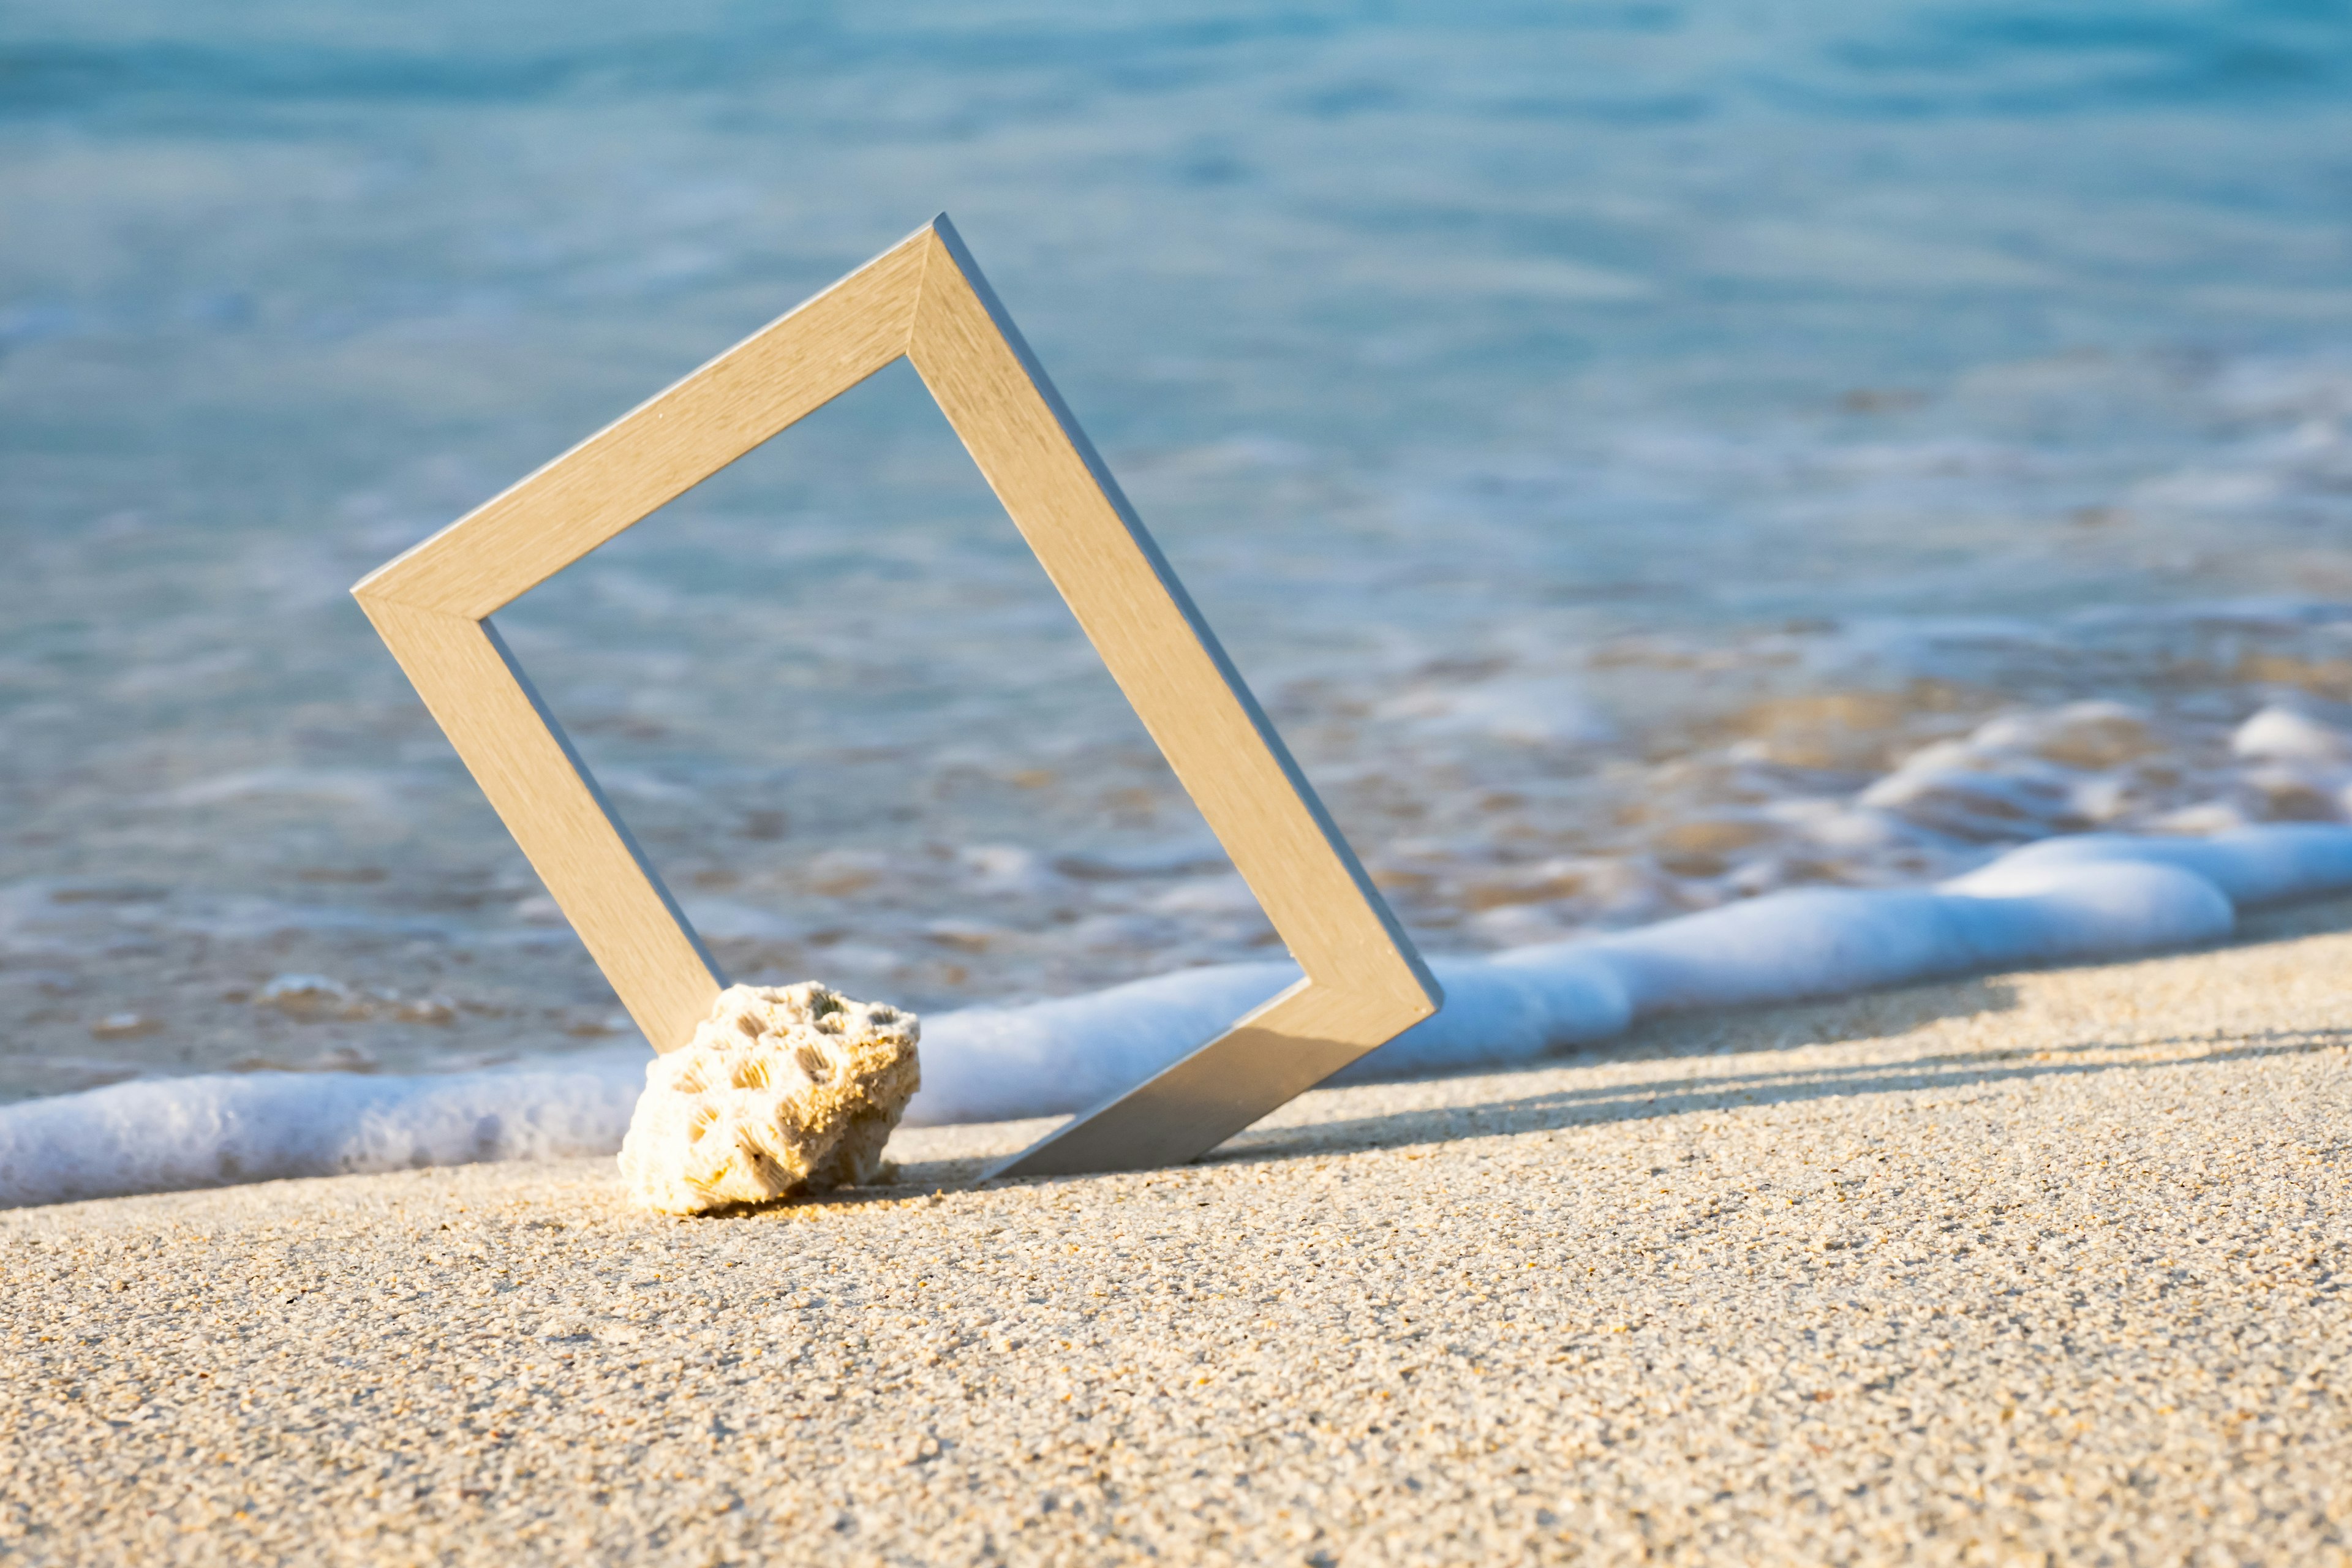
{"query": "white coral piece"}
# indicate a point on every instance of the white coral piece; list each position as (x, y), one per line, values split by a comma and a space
(783, 1090)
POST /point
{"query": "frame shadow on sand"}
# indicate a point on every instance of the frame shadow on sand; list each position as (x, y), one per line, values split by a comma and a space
(1495, 1102)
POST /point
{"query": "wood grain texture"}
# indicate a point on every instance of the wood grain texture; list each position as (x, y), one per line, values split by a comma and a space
(926, 299)
(1365, 982)
(665, 446)
(1154, 642)
(1277, 1052)
(569, 833)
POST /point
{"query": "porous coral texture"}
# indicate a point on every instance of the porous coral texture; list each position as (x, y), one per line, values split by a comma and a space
(784, 1089)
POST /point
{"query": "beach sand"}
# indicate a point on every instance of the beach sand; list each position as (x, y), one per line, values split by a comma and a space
(2044, 1266)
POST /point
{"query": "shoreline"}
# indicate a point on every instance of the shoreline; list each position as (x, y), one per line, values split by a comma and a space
(2084, 897)
(2052, 1261)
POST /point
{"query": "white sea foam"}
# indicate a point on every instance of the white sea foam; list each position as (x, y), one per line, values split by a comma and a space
(167, 1134)
(2068, 899)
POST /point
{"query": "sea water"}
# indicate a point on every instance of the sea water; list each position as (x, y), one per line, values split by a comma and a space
(1655, 462)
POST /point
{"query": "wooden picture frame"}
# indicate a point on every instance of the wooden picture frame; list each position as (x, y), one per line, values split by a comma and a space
(923, 299)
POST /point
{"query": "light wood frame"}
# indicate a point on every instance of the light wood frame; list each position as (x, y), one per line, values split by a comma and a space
(923, 299)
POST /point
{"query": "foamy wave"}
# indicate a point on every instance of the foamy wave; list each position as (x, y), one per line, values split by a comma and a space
(2088, 897)
(164, 1135)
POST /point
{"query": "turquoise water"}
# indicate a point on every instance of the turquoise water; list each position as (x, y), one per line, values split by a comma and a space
(1618, 442)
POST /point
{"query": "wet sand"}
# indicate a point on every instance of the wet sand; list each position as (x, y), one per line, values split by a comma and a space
(2047, 1264)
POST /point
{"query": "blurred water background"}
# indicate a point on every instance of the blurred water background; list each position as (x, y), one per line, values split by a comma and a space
(1644, 456)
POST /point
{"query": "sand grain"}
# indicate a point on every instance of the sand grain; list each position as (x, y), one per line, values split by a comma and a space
(2051, 1264)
